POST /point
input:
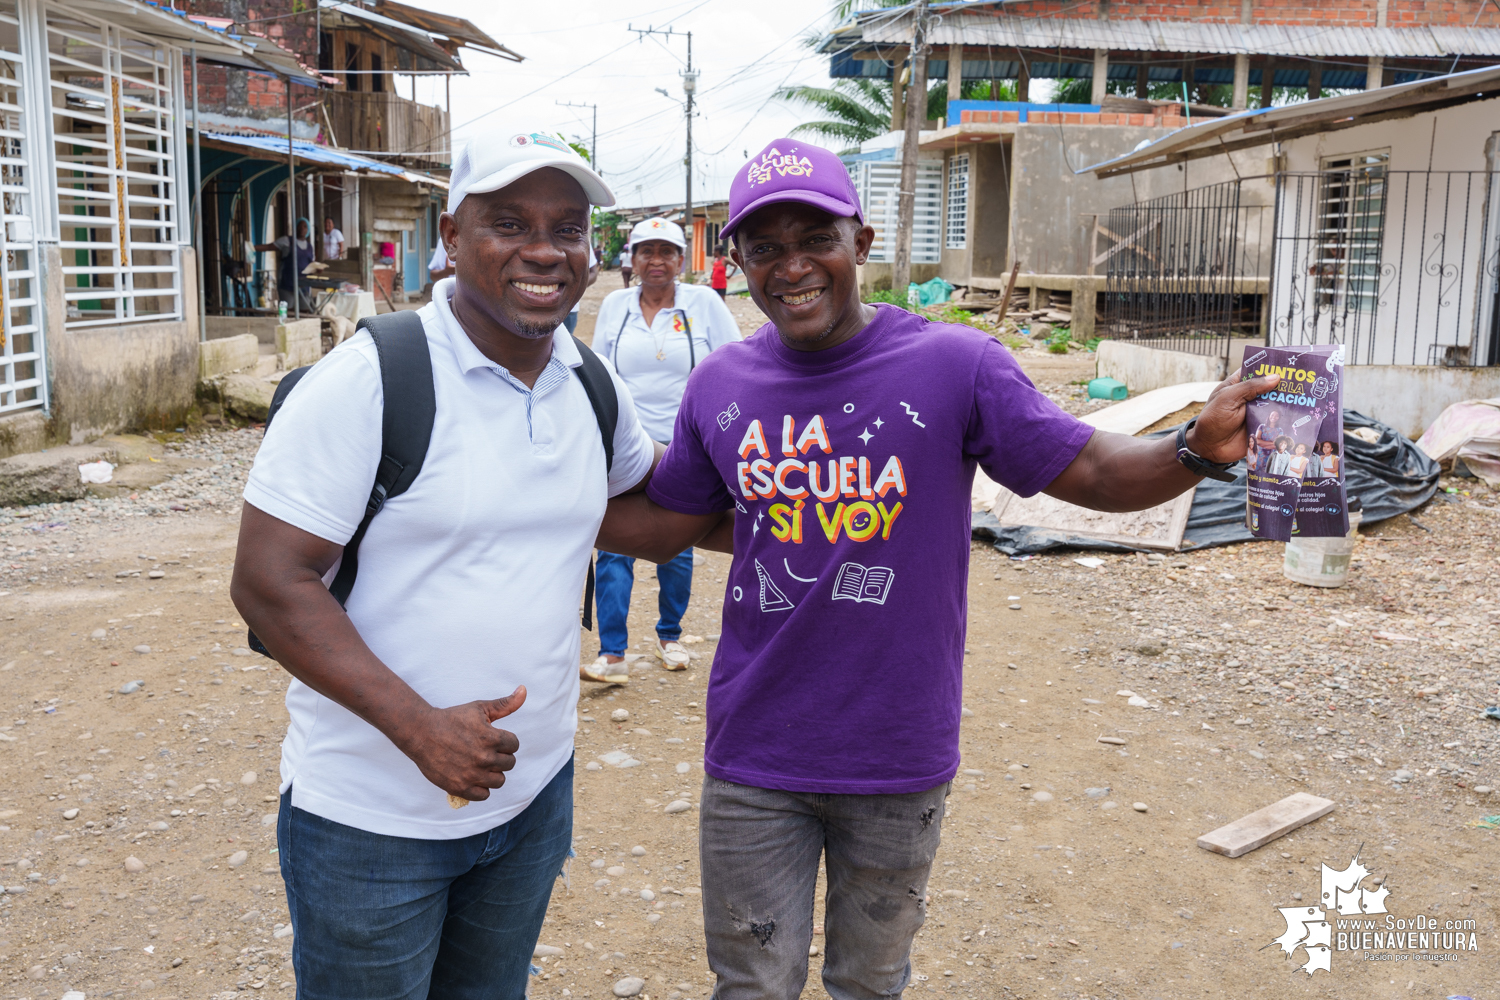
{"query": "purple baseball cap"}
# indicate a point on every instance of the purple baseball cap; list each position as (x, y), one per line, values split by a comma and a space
(792, 170)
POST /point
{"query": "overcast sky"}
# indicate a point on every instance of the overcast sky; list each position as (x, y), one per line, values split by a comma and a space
(580, 50)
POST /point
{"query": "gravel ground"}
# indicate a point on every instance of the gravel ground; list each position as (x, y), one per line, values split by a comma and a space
(164, 882)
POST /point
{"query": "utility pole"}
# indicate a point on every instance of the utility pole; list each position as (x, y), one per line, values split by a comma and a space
(594, 139)
(690, 88)
(916, 114)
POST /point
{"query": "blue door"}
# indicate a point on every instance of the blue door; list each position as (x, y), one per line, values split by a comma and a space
(413, 267)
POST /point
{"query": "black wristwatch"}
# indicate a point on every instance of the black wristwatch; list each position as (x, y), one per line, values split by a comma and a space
(1197, 464)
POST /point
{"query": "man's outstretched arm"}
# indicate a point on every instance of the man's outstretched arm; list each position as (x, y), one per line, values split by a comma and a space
(635, 525)
(1117, 472)
(278, 588)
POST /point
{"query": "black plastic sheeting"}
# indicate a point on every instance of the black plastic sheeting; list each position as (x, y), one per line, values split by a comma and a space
(1390, 477)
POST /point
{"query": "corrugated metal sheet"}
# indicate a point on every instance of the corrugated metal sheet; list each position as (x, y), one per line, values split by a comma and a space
(1193, 36)
(1266, 121)
(275, 148)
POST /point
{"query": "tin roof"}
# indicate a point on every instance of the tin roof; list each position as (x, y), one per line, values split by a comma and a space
(1310, 41)
(1260, 127)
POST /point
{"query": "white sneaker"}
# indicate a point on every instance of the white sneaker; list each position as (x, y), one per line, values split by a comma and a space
(601, 671)
(672, 655)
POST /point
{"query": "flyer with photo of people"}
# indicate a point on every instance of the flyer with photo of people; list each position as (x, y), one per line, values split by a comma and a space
(1295, 459)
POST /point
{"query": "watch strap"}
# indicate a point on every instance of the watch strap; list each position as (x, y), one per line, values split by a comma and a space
(1197, 464)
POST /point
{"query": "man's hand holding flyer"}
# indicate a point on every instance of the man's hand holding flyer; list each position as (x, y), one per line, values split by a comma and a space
(1296, 455)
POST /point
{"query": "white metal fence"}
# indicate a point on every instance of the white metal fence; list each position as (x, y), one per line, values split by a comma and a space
(116, 110)
(879, 186)
(21, 365)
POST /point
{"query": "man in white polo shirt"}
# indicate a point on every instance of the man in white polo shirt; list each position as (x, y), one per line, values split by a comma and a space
(464, 612)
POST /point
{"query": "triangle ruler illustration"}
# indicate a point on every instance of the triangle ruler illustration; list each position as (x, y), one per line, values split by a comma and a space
(771, 597)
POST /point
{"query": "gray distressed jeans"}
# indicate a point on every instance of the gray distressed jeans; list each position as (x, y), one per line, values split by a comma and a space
(760, 850)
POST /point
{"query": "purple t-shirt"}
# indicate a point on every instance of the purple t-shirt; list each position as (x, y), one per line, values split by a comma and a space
(840, 668)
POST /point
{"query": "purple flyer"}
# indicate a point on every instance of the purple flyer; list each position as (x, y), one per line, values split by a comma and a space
(1296, 455)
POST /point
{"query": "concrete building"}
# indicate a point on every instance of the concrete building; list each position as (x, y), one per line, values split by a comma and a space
(1004, 184)
(97, 273)
(1384, 237)
(374, 160)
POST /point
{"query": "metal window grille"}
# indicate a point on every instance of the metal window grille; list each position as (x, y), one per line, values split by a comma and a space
(957, 235)
(20, 306)
(114, 101)
(879, 186)
(1185, 271)
(1401, 267)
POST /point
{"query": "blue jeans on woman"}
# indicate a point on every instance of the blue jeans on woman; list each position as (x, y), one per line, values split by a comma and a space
(397, 918)
(613, 577)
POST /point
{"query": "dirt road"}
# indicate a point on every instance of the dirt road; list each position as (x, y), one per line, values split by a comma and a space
(139, 853)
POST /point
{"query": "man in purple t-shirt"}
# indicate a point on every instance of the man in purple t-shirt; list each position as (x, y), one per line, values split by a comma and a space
(845, 437)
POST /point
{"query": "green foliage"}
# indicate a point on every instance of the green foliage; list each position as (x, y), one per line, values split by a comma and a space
(607, 233)
(953, 314)
(889, 298)
(1093, 344)
(1058, 342)
(1014, 342)
(582, 151)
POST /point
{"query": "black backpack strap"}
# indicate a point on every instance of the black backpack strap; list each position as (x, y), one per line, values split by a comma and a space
(601, 389)
(606, 403)
(410, 406)
(283, 390)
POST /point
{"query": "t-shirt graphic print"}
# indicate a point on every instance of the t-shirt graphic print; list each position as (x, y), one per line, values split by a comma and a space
(850, 470)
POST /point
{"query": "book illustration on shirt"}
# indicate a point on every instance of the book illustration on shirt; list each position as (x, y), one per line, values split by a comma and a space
(863, 583)
(771, 597)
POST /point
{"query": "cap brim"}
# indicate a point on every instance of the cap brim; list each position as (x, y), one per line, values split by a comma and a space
(833, 206)
(594, 188)
(679, 244)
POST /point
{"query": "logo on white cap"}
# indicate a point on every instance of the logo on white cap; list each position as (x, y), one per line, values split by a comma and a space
(521, 139)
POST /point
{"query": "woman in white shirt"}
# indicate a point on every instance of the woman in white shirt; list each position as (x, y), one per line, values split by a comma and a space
(655, 334)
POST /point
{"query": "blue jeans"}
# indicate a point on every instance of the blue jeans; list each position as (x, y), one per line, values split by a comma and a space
(614, 575)
(396, 918)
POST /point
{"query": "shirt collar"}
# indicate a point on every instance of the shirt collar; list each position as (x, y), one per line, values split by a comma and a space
(470, 357)
(633, 305)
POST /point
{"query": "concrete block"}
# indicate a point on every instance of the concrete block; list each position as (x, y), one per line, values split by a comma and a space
(246, 396)
(300, 342)
(22, 432)
(228, 354)
(1147, 368)
(1410, 397)
(48, 476)
(263, 327)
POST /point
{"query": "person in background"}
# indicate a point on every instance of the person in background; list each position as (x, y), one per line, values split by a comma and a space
(719, 278)
(439, 266)
(333, 241)
(289, 264)
(654, 335)
(572, 321)
(625, 270)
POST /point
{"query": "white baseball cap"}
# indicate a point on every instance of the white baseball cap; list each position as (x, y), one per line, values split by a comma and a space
(503, 156)
(658, 229)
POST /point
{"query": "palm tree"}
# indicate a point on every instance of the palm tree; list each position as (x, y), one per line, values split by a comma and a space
(860, 108)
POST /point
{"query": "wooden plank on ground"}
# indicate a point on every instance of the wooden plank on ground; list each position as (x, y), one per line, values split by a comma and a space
(1264, 825)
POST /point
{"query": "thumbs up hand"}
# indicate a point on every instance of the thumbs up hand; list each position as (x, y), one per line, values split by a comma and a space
(461, 751)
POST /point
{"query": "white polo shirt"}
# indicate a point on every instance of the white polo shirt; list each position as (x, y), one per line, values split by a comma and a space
(655, 361)
(470, 582)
